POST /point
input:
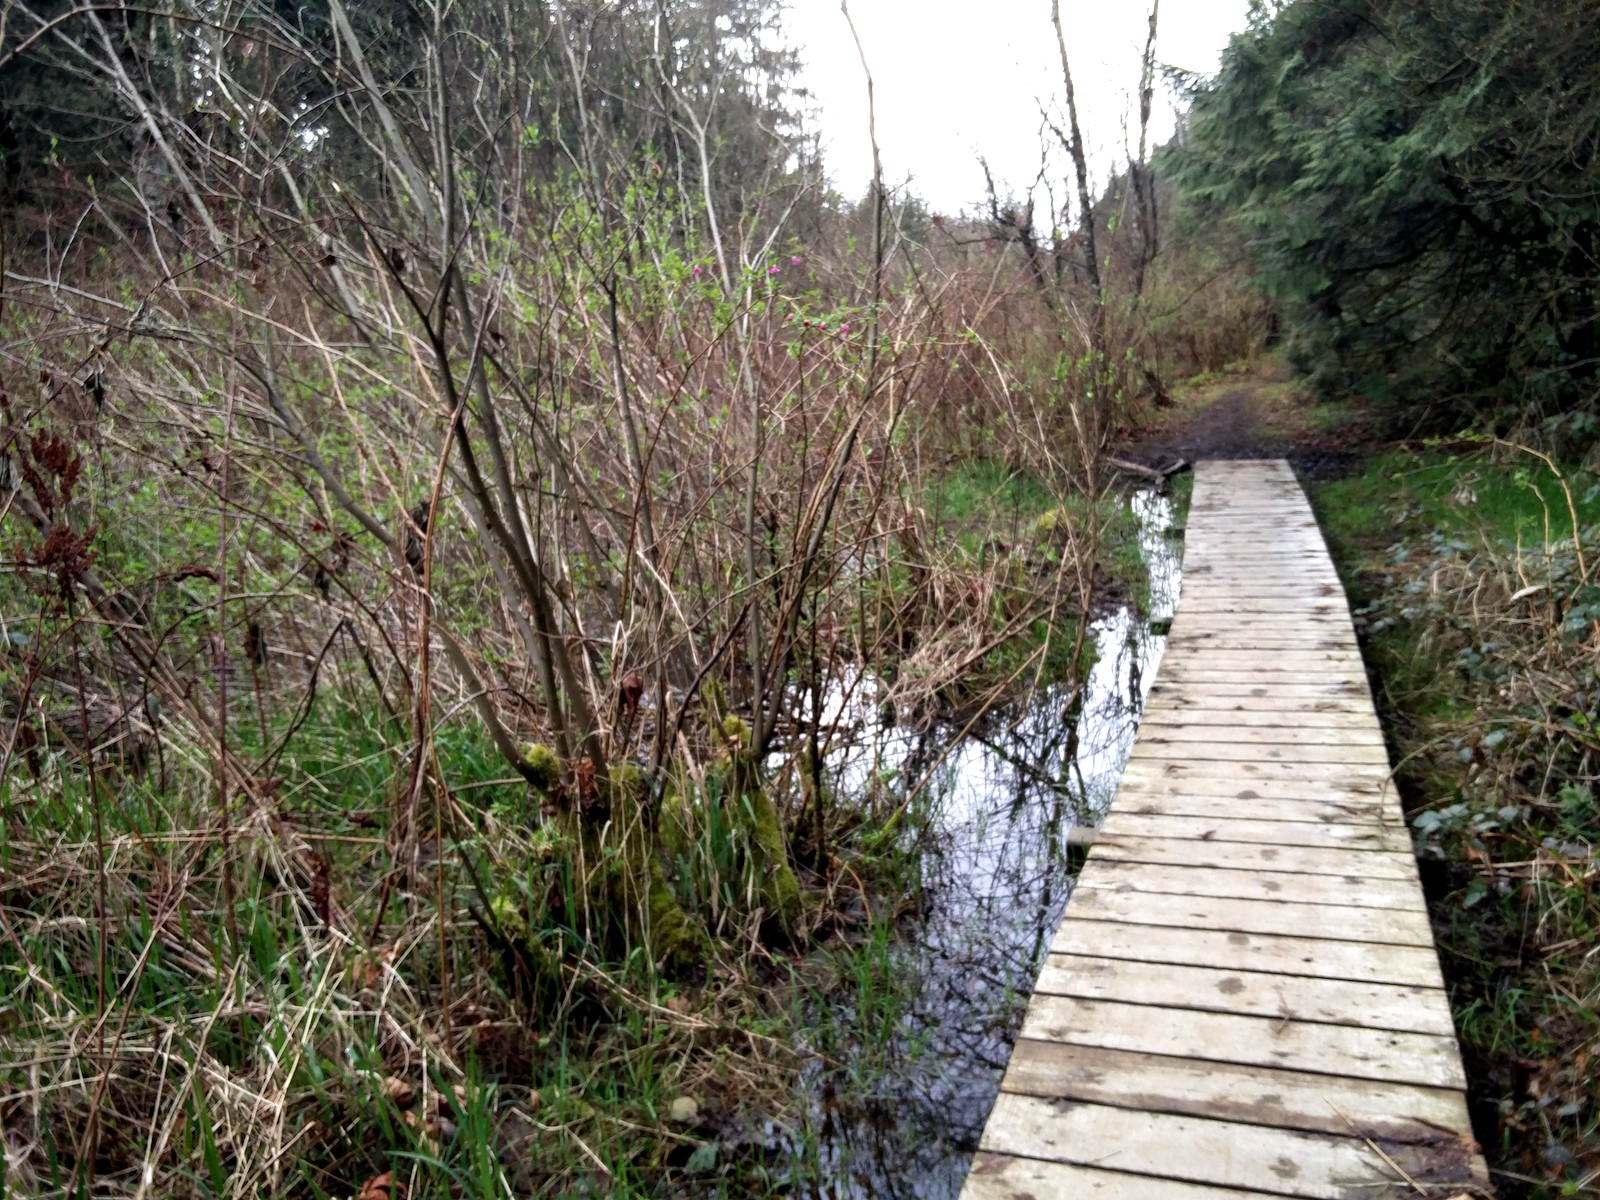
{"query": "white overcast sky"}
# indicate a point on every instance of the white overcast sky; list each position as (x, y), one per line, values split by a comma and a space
(958, 78)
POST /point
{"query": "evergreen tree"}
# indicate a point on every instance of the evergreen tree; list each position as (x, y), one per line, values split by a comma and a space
(1421, 186)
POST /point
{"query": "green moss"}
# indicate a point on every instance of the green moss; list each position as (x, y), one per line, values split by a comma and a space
(676, 942)
(508, 917)
(541, 766)
(780, 890)
(736, 731)
(628, 778)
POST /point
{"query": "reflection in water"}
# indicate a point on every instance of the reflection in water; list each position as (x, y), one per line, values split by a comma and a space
(995, 879)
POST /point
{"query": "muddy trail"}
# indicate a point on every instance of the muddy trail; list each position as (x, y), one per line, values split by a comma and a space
(1259, 414)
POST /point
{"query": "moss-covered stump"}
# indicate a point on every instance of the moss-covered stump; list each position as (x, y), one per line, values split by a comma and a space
(622, 892)
(751, 807)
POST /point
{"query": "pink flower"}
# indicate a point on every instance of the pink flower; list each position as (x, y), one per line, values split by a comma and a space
(695, 272)
(772, 270)
(808, 324)
(794, 261)
(844, 329)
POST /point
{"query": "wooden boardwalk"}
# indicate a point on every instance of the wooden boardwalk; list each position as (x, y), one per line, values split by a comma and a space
(1243, 999)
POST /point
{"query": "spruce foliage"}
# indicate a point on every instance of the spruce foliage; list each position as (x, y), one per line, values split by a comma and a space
(1421, 184)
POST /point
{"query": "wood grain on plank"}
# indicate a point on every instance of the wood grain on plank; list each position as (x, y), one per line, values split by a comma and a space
(1281, 831)
(1248, 993)
(1340, 922)
(1371, 962)
(1244, 856)
(1281, 886)
(1249, 1095)
(1221, 1153)
(1008, 1177)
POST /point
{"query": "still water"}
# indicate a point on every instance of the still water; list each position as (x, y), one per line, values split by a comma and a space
(996, 877)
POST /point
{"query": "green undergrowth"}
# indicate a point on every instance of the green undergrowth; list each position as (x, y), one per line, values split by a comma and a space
(343, 992)
(1480, 617)
(600, 1077)
(1019, 533)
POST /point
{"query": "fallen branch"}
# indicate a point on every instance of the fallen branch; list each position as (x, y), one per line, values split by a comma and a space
(1160, 475)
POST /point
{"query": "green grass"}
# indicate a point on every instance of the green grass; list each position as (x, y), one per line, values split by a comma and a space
(985, 500)
(1405, 491)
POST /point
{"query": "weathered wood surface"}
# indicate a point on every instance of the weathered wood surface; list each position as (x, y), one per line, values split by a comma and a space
(1243, 999)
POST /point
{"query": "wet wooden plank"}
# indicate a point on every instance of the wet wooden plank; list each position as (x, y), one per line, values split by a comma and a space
(1248, 993)
(1340, 922)
(1371, 775)
(1182, 802)
(1167, 725)
(1176, 699)
(1007, 1177)
(1281, 831)
(1219, 1153)
(1301, 1100)
(1331, 791)
(1346, 1051)
(1334, 750)
(1245, 856)
(1253, 885)
(1368, 962)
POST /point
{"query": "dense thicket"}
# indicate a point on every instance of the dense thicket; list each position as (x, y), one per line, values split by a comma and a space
(1421, 184)
(462, 478)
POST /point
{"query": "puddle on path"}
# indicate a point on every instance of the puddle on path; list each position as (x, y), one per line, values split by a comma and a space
(996, 878)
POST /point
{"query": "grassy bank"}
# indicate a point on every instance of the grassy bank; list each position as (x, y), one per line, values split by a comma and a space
(289, 998)
(1474, 571)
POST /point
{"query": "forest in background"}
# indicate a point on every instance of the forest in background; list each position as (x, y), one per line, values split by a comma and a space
(454, 455)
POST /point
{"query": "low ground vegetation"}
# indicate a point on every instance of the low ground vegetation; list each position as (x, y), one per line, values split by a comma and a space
(1472, 568)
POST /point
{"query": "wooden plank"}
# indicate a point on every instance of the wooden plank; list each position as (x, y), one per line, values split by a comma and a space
(1222, 1153)
(1351, 695)
(1205, 685)
(1179, 700)
(1343, 663)
(1283, 831)
(1178, 730)
(1369, 962)
(1334, 922)
(1372, 774)
(1247, 583)
(1277, 637)
(1183, 803)
(1202, 751)
(1213, 674)
(1281, 638)
(1248, 993)
(1354, 783)
(1201, 725)
(1283, 886)
(1367, 790)
(1160, 765)
(1351, 1051)
(1249, 1095)
(1007, 1177)
(1244, 856)
(1249, 631)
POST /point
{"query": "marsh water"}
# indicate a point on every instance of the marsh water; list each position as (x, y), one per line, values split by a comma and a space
(898, 1105)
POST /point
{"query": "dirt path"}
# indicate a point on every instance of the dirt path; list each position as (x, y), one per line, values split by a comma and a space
(1262, 414)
